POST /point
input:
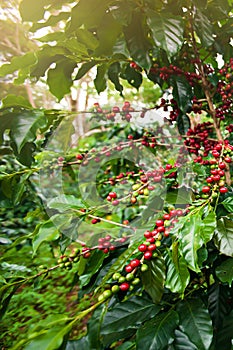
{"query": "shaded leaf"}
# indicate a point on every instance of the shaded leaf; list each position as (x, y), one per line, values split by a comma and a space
(204, 29)
(167, 31)
(224, 272)
(128, 314)
(47, 232)
(100, 80)
(217, 303)
(196, 323)
(59, 78)
(182, 92)
(183, 342)
(183, 123)
(158, 332)
(177, 277)
(224, 236)
(17, 63)
(84, 69)
(154, 278)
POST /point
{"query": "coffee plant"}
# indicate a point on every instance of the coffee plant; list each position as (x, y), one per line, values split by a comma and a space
(140, 208)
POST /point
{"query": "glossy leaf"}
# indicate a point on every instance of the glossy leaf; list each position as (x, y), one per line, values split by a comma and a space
(224, 272)
(81, 344)
(191, 241)
(154, 278)
(18, 62)
(183, 123)
(94, 328)
(182, 94)
(137, 41)
(91, 267)
(196, 323)
(59, 78)
(224, 236)
(218, 295)
(208, 227)
(128, 314)
(177, 277)
(100, 80)
(183, 342)
(228, 204)
(46, 232)
(167, 31)
(225, 335)
(158, 332)
(204, 29)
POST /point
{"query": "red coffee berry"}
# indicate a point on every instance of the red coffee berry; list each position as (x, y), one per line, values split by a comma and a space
(124, 286)
(159, 223)
(147, 255)
(128, 268)
(142, 248)
(222, 165)
(223, 189)
(205, 189)
(135, 263)
(112, 195)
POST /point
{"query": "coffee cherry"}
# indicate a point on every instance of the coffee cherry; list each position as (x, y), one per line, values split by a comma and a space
(128, 268)
(222, 165)
(223, 189)
(147, 255)
(144, 267)
(135, 263)
(116, 276)
(129, 276)
(205, 189)
(227, 159)
(107, 294)
(112, 195)
(142, 248)
(159, 223)
(152, 247)
(166, 216)
(115, 288)
(209, 179)
(124, 286)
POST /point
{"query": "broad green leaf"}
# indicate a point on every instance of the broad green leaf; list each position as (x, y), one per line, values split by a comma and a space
(218, 295)
(183, 94)
(18, 62)
(178, 276)
(224, 236)
(92, 266)
(106, 41)
(196, 323)
(183, 123)
(65, 202)
(84, 69)
(94, 327)
(100, 80)
(225, 334)
(55, 36)
(87, 38)
(13, 101)
(225, 271)
(47, 232)
(228, 204)
(122, 12)
(137, 41)
(51, 340)
(127, 346)
(154, 278)
(208, 226)
(190, 241)
(25, 127)
(128, 314)
(81, 344)
(183, 342)
(59, 78)
(204, 29)
(133, 77)
(182, 195)
(87, 13)
(158, 332)
(32, 11)
(113, 74)
(167, 31)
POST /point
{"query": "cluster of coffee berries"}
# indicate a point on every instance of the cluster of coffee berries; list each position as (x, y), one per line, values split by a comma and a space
(165, 73)
(172, 103)
(112, 197)
(225, 90)
(67, 261)
(218, 165)
(124, 112)
(198, 139)
(106, 244)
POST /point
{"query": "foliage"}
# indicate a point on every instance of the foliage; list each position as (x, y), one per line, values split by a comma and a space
(140, 209)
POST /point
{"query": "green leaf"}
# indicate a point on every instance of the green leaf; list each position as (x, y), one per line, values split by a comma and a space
(158, 332)
(18, 62)
(218, 306)
(167, 31)
(224, 272)
(203, 27)
(228, 204)
(81, 344)
(182, 92)
(196, 323)
(137, 41)
(65, 202)
(128, 314)
(32, 11)
(87, 38)
(15, 101)
(178, 276)
(208, 226)
(183, 123)
(113, 74)
(225, 335)
(183, 342)
(100, 80)
(91, 267)
(47, 232)
(133, 77)
(106, 41)
(59, 78)
(84, 69)
(51, 21)
(87, 13)
(182, 195)
(94, 327)
(191, 241)
(154, 278)
(122, 12)
(224, 236)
